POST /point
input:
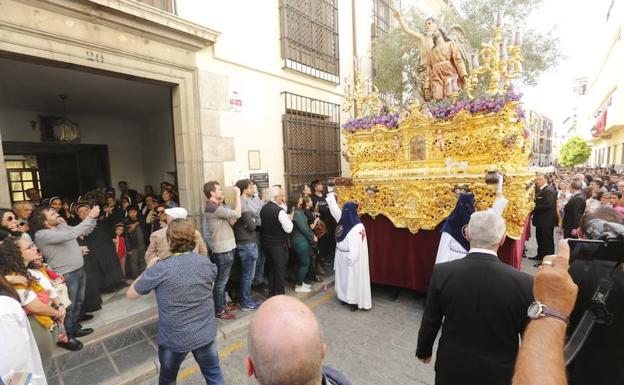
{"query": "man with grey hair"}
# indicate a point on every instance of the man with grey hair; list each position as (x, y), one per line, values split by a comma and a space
(276, 225)
(276, 358)
(581, 177)
(483, 303)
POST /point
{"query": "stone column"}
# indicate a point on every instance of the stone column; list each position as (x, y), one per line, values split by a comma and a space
(214, 98)
(5, 198)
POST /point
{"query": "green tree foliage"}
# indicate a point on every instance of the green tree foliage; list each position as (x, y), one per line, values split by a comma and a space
(395, 59)
(396, 62)
(540, 49)
(574, 151)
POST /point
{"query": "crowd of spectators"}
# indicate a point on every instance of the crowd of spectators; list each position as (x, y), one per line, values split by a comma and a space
(58, 257)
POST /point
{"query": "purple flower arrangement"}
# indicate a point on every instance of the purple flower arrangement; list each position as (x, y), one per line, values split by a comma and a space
(489, 104)
(367, 122)
(444, 110)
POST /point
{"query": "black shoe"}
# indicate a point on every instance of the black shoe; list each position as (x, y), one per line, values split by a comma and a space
(73, 344)
(538, 264)
(83, 332)
(536, 258)
(354, 307)
(86, 317)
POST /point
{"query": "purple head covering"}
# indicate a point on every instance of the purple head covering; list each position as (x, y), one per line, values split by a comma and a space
(459, 217)
(348, 219)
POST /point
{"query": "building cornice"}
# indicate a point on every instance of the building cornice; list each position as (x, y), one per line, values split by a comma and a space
(137, 17)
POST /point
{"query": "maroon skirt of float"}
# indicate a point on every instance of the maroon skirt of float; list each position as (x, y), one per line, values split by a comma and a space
(400, 258)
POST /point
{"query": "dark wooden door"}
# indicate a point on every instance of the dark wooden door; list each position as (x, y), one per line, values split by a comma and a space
(66, 170)
(58, 173)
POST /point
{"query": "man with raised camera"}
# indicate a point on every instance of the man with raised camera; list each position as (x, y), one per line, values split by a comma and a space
(600, 359)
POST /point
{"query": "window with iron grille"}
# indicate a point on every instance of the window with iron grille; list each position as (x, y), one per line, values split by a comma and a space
(311, 131)
(383, 18)
(310, 37)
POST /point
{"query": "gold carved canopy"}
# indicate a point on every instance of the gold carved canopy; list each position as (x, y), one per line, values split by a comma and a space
(408, 173)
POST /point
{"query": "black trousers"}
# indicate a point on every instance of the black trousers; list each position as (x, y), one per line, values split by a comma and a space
(567, 233)
(277, 258)
(545, 241)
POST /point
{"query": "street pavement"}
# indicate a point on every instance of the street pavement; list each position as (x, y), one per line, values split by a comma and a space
(374, 347)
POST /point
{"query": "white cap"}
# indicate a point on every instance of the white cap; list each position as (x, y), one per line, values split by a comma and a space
(177, 213)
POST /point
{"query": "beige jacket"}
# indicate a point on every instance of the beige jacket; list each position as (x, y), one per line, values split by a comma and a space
(159, 246)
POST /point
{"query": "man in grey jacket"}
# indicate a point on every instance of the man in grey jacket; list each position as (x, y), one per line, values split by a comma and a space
(220, 237)
(58, 244)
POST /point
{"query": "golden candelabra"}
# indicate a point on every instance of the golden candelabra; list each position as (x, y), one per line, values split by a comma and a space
(361, 96)
(500, 63)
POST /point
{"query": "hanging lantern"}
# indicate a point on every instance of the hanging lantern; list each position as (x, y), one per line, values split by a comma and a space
(64, 130)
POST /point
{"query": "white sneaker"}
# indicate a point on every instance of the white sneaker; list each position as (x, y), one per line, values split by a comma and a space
(306, 285)
(302, 289)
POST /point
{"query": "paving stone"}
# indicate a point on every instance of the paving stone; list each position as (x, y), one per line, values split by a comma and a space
(373, 347)
(128, 358)
(50, 370)
(71, 360)
(53, 380)
(92, 373)
(122, 340)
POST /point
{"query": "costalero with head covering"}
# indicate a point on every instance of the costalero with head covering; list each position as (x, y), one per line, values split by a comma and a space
(459, 217)
(347, 221)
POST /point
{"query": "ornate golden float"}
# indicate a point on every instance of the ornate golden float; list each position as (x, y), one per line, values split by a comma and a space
(405, 166)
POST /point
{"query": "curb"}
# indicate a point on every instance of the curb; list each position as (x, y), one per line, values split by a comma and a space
(150, 369)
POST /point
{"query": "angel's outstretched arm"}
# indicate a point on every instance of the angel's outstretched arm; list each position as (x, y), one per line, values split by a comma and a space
(415, 34)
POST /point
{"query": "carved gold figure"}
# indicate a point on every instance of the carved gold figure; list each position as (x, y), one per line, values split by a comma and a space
(407, 173)
(445, 70)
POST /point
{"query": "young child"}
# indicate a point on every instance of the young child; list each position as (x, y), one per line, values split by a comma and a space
(120, 246)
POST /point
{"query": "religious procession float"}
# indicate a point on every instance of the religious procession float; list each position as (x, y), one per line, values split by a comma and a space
(406, 163)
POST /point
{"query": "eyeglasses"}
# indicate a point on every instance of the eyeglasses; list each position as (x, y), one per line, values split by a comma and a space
(160, 211)
(10, 218)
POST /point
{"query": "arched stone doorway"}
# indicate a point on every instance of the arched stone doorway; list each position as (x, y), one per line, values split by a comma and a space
(129, 40)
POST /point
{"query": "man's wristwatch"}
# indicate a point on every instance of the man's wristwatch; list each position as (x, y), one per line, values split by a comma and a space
(538, 310)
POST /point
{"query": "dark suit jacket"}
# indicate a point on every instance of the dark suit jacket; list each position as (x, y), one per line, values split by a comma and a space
(132, 194)
(572, 213)
(601, 360)
(484, 304)
(545, 211)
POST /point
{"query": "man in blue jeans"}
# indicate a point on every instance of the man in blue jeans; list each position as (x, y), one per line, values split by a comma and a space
(247, 250)
(219, 235)
(251, 202)
(58, 244)
(183, 285)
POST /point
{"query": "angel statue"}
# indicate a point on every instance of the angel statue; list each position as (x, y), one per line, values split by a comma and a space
(443, 57)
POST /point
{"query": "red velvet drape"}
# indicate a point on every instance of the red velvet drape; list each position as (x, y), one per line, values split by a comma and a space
(400, 258)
